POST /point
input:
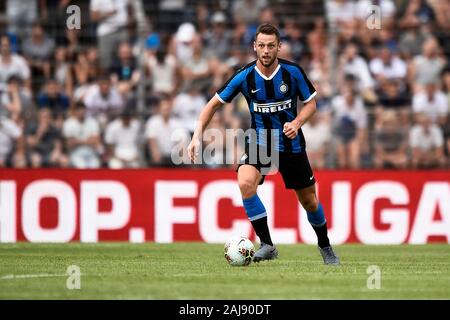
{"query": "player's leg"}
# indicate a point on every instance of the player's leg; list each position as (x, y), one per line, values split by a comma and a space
(248, 178)
(316, 217)
(314, 210)
(298, 176)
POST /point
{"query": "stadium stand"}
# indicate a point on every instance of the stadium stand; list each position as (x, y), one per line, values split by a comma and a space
(107, 94)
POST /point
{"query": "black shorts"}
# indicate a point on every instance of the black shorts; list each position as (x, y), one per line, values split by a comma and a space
(294, 168)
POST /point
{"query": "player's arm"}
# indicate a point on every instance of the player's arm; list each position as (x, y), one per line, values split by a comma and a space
(290, 129)
(203, 120)
(306, 93)
(223, 95)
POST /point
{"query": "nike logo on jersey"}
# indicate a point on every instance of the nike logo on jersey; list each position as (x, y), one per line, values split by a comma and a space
(254, 91)
(311, 178)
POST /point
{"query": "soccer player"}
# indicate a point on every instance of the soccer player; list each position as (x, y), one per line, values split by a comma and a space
(271, 87)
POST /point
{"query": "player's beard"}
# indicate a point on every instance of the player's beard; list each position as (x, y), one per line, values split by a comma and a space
(271, 60)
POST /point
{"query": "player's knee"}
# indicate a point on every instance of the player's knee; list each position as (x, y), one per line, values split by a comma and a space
(247, 187)
(310, 204)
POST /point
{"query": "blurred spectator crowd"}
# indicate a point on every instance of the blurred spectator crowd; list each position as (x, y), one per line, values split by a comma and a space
(125, 89)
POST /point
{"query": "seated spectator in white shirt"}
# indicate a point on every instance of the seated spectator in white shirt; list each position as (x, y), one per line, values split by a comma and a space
(14, 102)
(10, 135)
(21, 14)
(340, 13)
(121, 137)
(12, 64)
(165, 135)
(433, 102)
(427, 67)
(317, 134)
(188, 105)
(387, 66)
(112, 17)
(351, 63)
(163, 72)
(103, 101)
(181, 43)
(83, 139)
(197, 67)
(350, 119)
(426, 141)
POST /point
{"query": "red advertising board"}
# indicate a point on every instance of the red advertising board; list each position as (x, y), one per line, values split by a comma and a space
(166, 205)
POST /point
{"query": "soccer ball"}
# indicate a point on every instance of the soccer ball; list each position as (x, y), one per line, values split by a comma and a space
(239, 251)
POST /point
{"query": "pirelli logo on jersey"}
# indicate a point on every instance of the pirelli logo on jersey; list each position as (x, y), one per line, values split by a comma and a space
(272, 107)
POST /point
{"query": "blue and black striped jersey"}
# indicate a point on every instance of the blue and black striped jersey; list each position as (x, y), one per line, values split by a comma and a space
(272, 100)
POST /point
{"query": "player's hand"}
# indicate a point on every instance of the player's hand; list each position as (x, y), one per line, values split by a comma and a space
(193, 149)
(290, 129)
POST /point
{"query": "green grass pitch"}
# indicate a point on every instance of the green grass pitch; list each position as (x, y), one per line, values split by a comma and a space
(200, 271)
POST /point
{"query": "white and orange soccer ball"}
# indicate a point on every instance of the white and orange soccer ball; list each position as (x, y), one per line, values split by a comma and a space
(239, 251)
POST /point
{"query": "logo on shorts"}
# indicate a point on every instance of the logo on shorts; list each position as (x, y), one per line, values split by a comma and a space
(283, 87)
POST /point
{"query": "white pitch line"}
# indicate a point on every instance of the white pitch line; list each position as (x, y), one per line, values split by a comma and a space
(27, 276)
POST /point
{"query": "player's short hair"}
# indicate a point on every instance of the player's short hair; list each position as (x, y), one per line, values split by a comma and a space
(267, 28)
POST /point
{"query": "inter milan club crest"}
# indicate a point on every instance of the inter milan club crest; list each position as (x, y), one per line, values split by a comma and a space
(283, 87)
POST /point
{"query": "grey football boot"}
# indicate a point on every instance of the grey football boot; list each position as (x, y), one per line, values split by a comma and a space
(329, 257)
(265, 252)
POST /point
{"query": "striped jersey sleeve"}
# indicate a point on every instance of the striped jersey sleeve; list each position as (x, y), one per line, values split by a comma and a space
(232, 87)
(305, 88)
